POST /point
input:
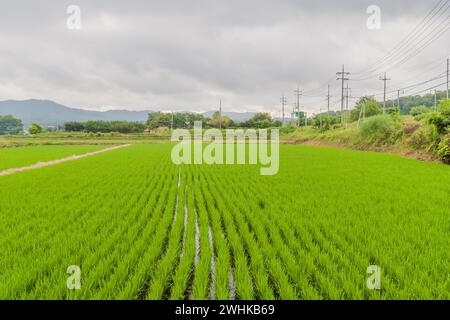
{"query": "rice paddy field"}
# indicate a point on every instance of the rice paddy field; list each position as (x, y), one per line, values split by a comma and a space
(140, 227)
(24, 156)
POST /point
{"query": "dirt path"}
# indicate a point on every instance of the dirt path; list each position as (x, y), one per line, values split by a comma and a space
(54, 162)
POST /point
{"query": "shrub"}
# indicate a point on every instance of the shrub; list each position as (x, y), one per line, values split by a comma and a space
(287, 129)
(393, 111)
(444, 107)
(381, 129)
(35, 129)
(410, 128)
(439, 120)
(416, 111)
(443, 149)
(424, 138)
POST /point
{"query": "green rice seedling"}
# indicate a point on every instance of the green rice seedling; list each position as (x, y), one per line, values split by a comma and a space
(16, 157)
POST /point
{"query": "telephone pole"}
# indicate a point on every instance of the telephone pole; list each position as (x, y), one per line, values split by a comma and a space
(283, 103)
(342, 76)
(328, 101)
(298, 94)
(385, 79)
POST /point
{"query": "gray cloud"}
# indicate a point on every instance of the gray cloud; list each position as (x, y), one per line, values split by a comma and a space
(187, 54)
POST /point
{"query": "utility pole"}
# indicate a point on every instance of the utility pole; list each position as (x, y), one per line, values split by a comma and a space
(283, 103)
(342, 76)
(398, 101)
(220, 114)
(298, 94)
(171, 123)
(328, 101)
(385, 79)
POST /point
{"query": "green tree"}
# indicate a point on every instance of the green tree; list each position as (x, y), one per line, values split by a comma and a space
(322, 121)
(261, 120)
(35, 129)
(180, 120)
(216, 120)
(105, 126)
(371, 108)
(10, 125)
(159, 119)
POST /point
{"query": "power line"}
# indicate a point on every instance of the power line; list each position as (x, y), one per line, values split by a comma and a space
(413, 52)
(396, 56)
(405, 44)
(427, 89)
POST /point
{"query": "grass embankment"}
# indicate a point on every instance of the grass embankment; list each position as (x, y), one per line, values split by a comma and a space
(401, 135)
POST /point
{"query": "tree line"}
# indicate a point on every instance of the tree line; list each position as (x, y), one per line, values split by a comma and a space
(185, 120)
(105, 126)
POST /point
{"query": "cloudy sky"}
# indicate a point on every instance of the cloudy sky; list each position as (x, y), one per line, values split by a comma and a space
(185, 55)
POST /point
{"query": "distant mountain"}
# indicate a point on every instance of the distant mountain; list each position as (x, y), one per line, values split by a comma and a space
(49, 113)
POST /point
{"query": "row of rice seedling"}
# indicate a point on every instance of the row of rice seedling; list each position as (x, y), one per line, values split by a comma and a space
(204, 283)
(161, 277)
(221, 250)
(185, 268)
